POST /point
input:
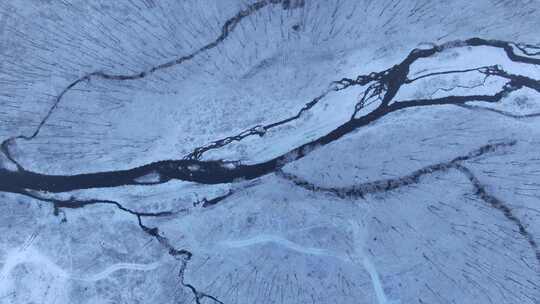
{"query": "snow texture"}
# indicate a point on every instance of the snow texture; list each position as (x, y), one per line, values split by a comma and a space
(270, 151)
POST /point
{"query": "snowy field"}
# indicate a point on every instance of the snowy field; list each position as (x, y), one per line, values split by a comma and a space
(271, 151)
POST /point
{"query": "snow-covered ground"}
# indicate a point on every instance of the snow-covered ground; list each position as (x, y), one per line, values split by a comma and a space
(411, 204)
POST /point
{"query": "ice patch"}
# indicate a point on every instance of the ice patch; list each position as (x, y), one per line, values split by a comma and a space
(229, 165)
(150, 178)
(194, 167)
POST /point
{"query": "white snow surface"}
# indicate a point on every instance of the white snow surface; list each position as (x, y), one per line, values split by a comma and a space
(269, 241)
